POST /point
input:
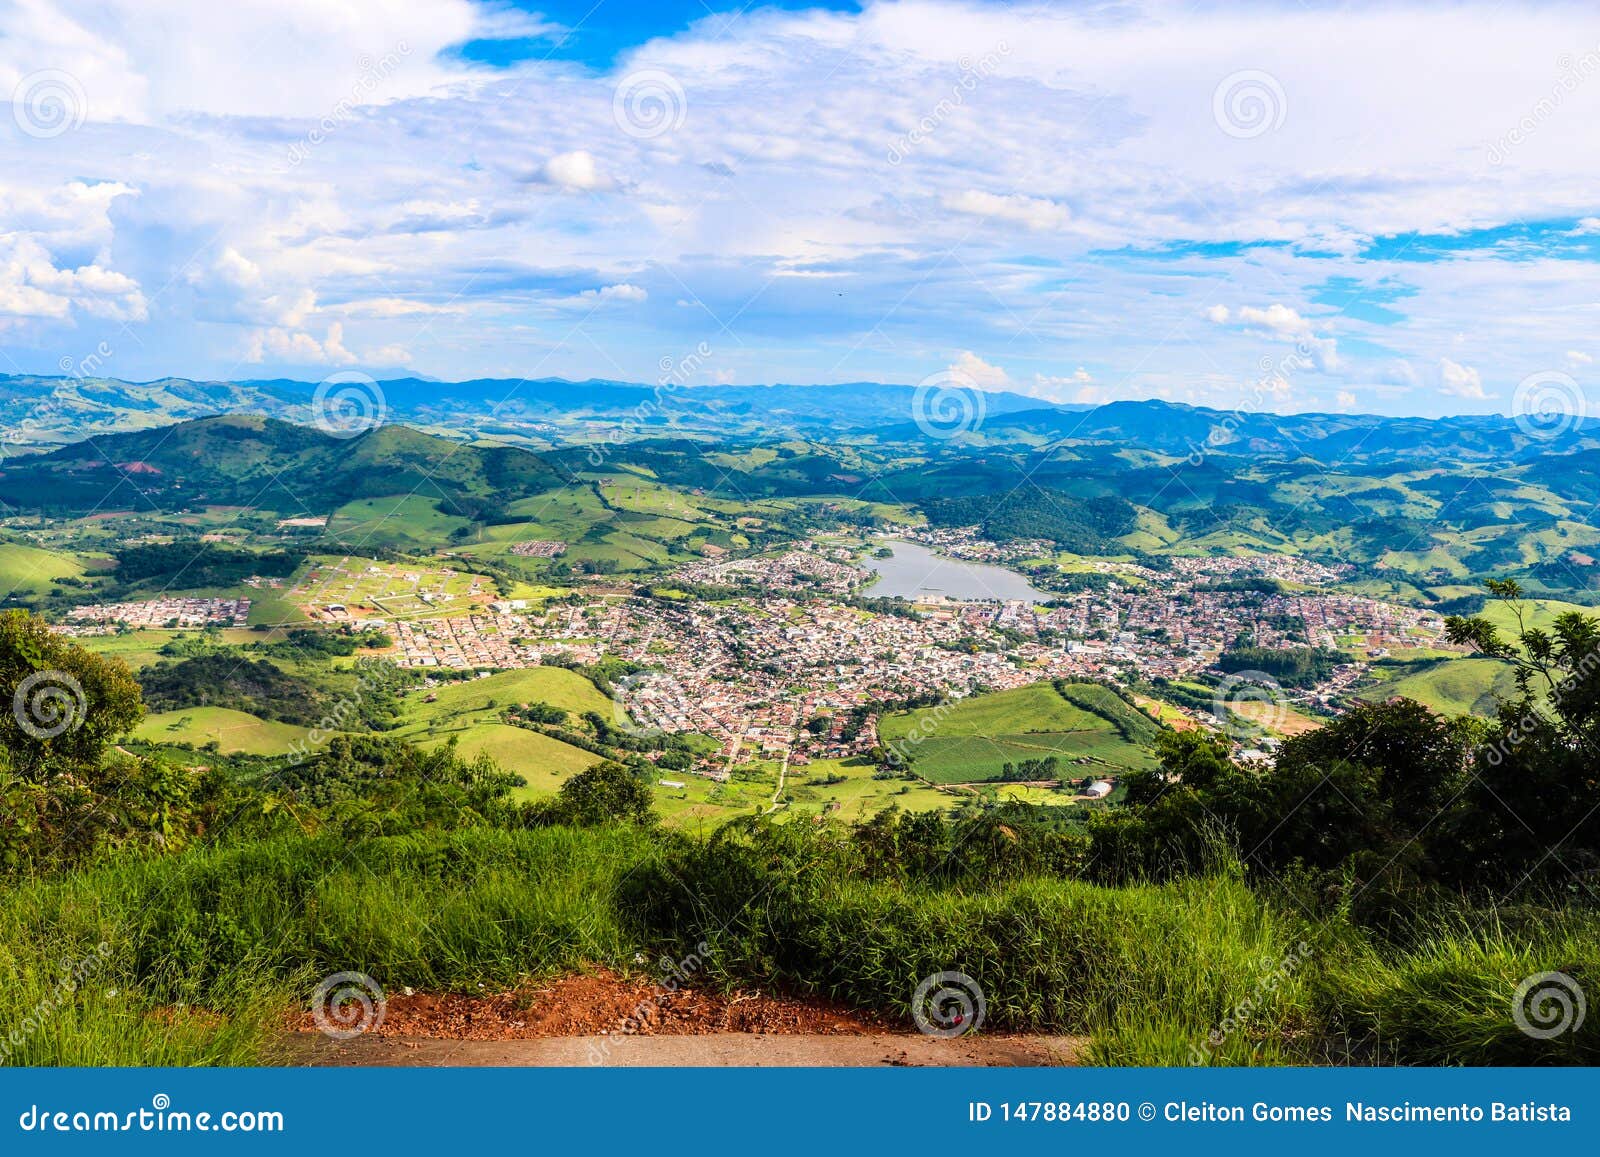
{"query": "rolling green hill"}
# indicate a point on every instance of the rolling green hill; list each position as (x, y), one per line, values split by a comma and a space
(469, 712)
(233, 731)
(29, 570)
(1467, 686)
(264, 463)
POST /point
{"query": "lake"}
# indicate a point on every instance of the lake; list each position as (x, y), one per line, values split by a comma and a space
(917, 572)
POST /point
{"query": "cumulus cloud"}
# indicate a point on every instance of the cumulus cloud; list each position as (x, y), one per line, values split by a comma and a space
(1282, 323)
(33, 286)
(970, 369)
(1459, 381)
(1077, 386)
(299, 348)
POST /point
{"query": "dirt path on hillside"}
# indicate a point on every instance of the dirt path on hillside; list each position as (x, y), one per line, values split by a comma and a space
(602, 1018)
(706, 1050)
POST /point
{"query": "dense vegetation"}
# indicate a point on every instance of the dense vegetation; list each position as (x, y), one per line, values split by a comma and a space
(1290, 666)
(226, 680)
(191, 564)
(1034, 512)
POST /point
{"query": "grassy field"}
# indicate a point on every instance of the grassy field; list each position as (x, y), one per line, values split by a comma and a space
(387, 590)
(1537, 613)
(543, 763)
(406, 522)
(553, 685)
(1276, 719)
(29, 570)
(1464, 686)
(971, 740)
(140, 648)
(469, 712)
(859, 796)
(232, 731)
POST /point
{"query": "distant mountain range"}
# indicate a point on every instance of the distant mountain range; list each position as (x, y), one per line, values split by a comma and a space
(52, 411)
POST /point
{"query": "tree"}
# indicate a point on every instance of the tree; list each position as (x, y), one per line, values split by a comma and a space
(62, 705)
(1535, 797)
(608, 792)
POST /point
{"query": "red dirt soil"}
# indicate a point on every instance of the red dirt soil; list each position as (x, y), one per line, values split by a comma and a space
(605, 1003)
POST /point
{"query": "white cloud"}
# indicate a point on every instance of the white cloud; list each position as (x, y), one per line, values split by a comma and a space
(1460, 381)
(33, 286)
(1277, 319)
(575, 172)
(619, 294)
(299, 348)
(1029, 212)
(1577, 359)
(1077, 386)
(970, 369)
(392, 307)
(1282, 323)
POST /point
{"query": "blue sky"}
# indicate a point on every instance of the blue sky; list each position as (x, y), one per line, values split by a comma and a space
(1389, 208)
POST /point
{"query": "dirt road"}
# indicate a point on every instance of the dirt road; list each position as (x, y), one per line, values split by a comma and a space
(705, 1050)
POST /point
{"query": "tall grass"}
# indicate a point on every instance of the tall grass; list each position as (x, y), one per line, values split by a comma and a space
(207, 954)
